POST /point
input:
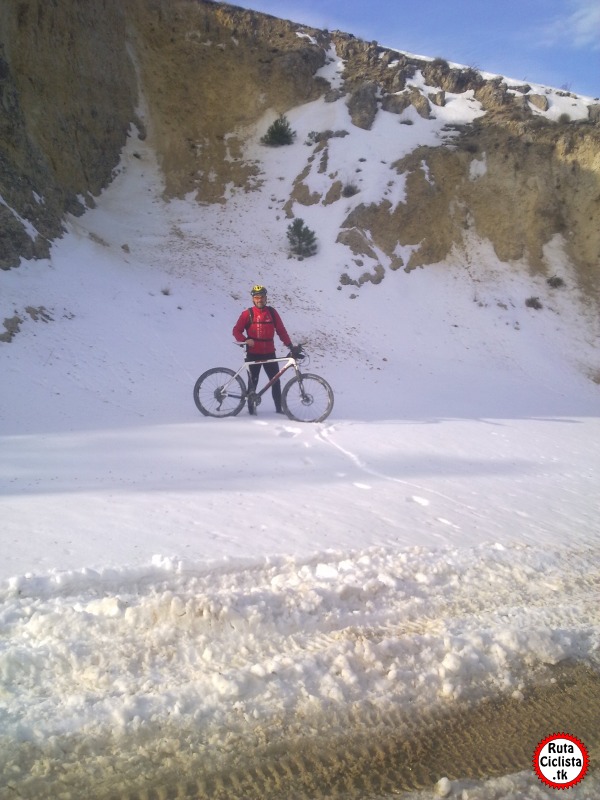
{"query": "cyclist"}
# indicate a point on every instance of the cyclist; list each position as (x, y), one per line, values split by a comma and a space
(256, 328)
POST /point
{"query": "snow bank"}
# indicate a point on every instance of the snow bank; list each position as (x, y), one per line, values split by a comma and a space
(220, 655)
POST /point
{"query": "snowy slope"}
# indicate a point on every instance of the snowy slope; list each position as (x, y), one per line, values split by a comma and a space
(179, 591)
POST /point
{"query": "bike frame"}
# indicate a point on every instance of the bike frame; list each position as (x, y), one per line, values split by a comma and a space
(290, 363)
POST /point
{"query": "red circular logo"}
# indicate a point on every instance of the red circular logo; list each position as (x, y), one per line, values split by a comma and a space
(561, 760)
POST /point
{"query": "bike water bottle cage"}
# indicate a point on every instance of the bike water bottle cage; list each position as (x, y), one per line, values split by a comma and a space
(258, 290)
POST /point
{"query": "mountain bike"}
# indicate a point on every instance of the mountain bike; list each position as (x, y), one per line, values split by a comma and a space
(221, 392)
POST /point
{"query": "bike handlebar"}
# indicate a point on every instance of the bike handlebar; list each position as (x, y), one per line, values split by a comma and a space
(295, 352)
(243, 344)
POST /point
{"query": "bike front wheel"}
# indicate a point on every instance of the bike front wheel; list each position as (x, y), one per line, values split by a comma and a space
(307, 398)
(219, 392)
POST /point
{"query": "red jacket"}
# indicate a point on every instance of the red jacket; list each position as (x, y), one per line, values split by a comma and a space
(265, 323)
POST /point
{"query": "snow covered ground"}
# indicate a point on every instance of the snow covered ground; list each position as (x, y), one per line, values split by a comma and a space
(179, 594)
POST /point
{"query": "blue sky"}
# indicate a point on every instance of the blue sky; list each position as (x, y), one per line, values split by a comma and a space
(552, 42)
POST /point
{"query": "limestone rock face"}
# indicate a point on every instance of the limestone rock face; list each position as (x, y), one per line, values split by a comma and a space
(362, 105)
(208, 70)
(72, 76)
(531, 185)
(67, 99)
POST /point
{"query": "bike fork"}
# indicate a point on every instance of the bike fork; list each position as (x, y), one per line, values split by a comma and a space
(300, 383)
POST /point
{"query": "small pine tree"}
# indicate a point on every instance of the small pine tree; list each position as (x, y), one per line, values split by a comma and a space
(279, 133)
(302, 240)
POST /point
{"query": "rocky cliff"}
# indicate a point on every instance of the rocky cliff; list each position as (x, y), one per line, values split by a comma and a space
(67, 98)
(72, 76)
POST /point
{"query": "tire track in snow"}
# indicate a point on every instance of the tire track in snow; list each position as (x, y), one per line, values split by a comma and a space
(326, 436)
(238, 676)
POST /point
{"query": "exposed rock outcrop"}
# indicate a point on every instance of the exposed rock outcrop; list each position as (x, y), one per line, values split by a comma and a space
(208, 70)
(67, 99)
(362, 105)
(69, 80)
(529, 184)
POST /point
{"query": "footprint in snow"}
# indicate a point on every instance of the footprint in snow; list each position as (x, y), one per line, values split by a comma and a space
(288, 432)
(421, 501)
(361, 485)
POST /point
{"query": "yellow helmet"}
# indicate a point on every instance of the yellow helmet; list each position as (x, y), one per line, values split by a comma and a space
(257, 290)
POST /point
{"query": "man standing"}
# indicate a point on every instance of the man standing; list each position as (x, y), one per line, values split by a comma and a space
(256, 328)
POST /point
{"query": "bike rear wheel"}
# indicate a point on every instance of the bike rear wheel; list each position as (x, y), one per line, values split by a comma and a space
(218, 392)
(307, 398)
